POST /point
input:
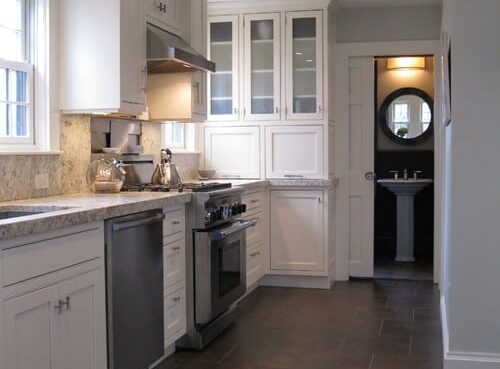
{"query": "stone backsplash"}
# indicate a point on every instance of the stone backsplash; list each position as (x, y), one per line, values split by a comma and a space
(67, 171)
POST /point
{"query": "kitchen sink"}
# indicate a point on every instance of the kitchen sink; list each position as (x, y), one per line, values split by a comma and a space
(9, 212)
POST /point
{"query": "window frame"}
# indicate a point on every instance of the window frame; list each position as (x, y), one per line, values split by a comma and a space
(28, 69)
(41, 25)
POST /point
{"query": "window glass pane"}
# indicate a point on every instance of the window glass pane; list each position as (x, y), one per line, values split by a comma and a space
(4, 122)
(262, 54)
(18, 86)
(3, 84)
(11, 14)
(11, 30)
(18, 120)
(221, 52)
(426, 113)
(401, 112)
(174, 135)
(304, 65)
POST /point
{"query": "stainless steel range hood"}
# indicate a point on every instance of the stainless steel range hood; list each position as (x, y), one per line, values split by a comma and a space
(168, 53)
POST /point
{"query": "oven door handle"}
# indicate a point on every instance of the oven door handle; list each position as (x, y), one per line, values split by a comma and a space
(235, 227)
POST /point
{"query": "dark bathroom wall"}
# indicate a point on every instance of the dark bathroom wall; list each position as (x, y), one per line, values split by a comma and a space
(390, 155)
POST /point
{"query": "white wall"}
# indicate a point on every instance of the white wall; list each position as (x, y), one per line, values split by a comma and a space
(472, 268)
(389, 24)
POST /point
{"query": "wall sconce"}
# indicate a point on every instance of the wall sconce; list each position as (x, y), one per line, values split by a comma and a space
(406, 63)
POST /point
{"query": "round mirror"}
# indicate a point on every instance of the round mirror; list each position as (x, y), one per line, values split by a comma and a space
(406, 116)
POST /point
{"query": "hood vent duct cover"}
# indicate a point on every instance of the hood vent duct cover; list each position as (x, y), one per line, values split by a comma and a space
(168, 53)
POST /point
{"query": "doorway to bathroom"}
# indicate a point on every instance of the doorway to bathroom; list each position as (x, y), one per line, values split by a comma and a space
(354, 158)
(404, 167)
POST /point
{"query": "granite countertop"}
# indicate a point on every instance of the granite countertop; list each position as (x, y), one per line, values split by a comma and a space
(250, 184)
(69, 210)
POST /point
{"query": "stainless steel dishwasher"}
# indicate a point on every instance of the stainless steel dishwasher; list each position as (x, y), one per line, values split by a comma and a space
(134, 290)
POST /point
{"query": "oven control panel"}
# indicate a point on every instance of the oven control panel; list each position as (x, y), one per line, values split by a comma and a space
(223, 209)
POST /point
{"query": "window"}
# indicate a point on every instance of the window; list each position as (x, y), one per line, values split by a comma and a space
(16, 76)
(174, 135)
(401, 112)
(425, 116)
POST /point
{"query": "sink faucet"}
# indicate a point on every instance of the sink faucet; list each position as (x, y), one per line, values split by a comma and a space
(416, 173)
(396, 174)
(405, 174)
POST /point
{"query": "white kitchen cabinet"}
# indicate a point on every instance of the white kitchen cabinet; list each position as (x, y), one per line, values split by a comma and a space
(294, 152)
(304, 65)
(102, 56)
(31, 326)
(297, 231)
(262, 63)
(234, 152)
(60, 326)
(223, 85)
(52, 303)
(175, 313)
(174, 275)
(168, 15)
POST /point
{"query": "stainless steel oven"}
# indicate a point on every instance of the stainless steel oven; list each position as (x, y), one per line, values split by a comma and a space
(216, 261)
(219, 269)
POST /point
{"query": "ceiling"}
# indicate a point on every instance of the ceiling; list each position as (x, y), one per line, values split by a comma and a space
(356, 4)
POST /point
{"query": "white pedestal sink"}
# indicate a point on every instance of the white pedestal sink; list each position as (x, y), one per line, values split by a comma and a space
(405, 191)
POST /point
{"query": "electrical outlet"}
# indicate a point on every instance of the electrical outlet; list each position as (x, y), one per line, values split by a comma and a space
(41, 181)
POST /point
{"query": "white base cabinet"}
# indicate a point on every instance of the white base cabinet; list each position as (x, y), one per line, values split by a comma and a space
(55, 320)
(297, 238)
(174, 280)
(233, 151)
(294, 152)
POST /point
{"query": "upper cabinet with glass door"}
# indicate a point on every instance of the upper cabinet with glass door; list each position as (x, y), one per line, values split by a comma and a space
(304, 65)
(223, 84)
(262, 67)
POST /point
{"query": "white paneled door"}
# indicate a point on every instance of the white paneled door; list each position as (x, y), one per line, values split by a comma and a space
(361, 166)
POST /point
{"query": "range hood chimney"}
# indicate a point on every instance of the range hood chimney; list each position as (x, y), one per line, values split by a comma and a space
(168, 53)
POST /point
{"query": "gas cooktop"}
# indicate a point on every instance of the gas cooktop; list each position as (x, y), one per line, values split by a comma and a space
(187, 187)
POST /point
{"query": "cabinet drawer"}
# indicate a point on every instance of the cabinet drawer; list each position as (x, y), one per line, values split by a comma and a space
(174, 222)
(254, 264)
(33, 259)
(255, 234)
(175, 310)
(253, 200)
(174, 263)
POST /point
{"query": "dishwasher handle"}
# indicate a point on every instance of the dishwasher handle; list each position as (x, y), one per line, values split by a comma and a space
(137, 223)
(238, 226)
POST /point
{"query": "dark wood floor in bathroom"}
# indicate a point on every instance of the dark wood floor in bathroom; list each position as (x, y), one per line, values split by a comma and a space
(356, 325)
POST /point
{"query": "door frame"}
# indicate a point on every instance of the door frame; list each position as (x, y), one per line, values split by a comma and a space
(343, 52)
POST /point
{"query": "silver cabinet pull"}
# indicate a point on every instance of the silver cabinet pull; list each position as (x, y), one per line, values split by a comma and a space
(254, 201)
(175, 299)
(176, 248)
(67, 303)
(319, 108)
(59, 307)
(176, 222)
(294, 176)
(145, 72)
(277, 110)
(254, 254)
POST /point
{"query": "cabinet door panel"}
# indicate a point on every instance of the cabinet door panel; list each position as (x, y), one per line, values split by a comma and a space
(297, 230)
(294, 152)
(84, 316)
(233, 151)
(133, 65)
(304, 65)
(31, 329)
(175, 312)
(223, 84)
(262, 66)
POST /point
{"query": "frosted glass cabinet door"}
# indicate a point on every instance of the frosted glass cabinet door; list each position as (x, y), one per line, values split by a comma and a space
(304, 64)
(223, 51)
(262, 66)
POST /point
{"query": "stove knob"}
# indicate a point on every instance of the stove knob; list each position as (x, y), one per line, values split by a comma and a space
(218, 214)
(243, 208)
(235, 209)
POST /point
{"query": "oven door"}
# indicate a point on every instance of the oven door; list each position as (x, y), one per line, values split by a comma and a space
(220, 269)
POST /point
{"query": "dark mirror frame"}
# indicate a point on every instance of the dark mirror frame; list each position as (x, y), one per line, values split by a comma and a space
(385, 106)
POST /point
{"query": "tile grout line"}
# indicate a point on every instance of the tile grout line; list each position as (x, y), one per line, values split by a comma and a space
(372, 359)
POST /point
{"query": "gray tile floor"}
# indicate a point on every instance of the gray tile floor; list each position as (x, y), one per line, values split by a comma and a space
(420, 270)
(356, 325)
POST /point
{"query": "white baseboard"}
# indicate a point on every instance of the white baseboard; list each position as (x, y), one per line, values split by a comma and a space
(296, 281)
(464, 360)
